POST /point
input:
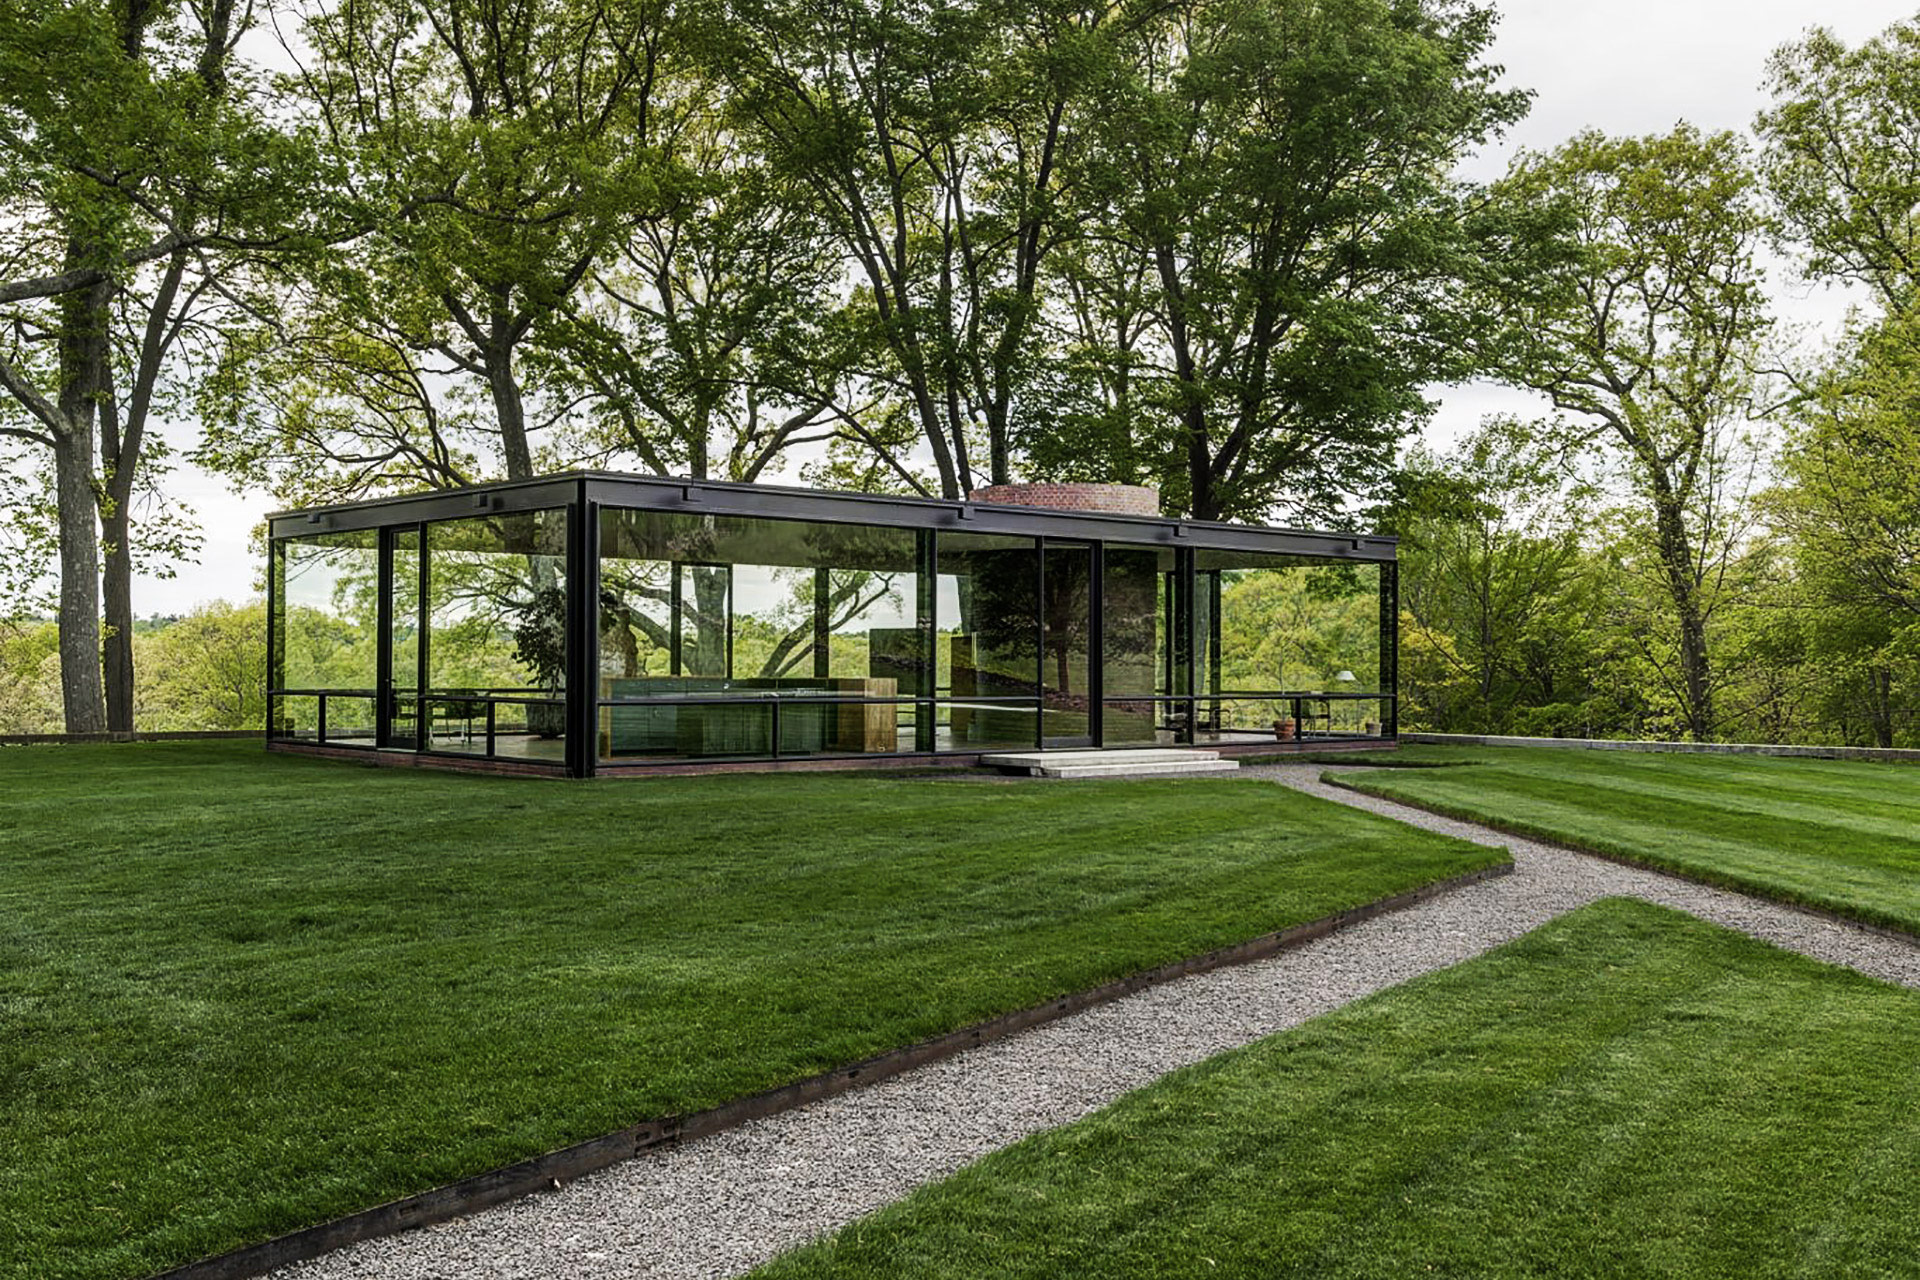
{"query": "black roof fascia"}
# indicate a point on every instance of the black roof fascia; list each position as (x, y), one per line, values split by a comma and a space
(714, 497)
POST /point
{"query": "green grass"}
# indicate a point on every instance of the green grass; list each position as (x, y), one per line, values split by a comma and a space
(1625, 1092)
(1396, 758)
(1839, 835)
(243, 993)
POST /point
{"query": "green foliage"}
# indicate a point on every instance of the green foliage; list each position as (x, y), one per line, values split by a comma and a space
(207, 670)
(1275, 275)
(218, 965)
(1842, 157)
(1648, 329)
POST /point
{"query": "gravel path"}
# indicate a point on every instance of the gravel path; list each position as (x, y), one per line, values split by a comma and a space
(722, 1205)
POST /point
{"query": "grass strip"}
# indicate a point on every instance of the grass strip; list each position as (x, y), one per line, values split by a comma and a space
(1626, 1091)
(243, 993)
(1840, 836)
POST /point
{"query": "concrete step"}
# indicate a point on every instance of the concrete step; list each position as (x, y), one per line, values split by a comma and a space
(1110, 764)
(1138, 755)
(1139, 770)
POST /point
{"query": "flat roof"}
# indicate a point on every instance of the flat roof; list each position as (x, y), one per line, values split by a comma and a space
(780, 502)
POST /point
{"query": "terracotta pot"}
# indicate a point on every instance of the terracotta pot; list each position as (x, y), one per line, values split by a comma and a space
(1283, 730)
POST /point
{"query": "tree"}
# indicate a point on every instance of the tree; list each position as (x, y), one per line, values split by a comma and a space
(1841, 157)
(499, 150)
(207, 670)
(1492, 564)
(1647, 331)
(1271, 178)
(133, 160)
(703, 346)
(1850, 509)
(930, 142)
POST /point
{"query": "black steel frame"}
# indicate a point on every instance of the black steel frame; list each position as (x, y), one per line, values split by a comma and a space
(583, 495)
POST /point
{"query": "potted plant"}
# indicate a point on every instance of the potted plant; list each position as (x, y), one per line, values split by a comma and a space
(1284, 728)
(540, 645)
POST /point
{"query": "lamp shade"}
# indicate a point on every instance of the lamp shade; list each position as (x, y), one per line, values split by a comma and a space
(1344, 676)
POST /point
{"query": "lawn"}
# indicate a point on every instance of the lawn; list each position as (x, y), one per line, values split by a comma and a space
(1840, 835)
(243, 993)
(1624, 1092)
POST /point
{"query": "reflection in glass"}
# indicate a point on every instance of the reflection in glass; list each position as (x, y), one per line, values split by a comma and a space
(1066, 641)
(987, 641)
(404, 585)
(1276, 623)
(1136, 635)
(497, 634)
(328, 626)
(722, 636)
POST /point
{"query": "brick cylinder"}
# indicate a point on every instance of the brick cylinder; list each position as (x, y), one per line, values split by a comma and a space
(1115, 499)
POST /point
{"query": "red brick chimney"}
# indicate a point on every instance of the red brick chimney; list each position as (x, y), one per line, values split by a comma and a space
(1117, 499)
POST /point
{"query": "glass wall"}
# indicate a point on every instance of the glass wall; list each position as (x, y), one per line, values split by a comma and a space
(728, 636)
(458, 629)
(324, 671)
(1283, 640)
(1138, 654)
(496, 636)
(987, 642)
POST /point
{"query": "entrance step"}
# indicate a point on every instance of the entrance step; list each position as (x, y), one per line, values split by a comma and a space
(1109, 764)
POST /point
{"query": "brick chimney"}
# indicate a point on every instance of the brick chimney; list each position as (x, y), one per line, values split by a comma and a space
(1116, 499)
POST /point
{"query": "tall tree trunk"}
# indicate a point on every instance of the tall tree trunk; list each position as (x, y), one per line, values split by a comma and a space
(509, 411)
(1676, 558)
(116, 562)
(82, 345)
(82, 695)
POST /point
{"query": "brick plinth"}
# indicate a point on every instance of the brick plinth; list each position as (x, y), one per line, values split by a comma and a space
(1116, 499)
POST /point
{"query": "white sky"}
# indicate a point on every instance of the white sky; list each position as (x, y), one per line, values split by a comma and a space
(1621, 66)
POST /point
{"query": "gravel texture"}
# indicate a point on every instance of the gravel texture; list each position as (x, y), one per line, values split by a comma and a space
(722, 1205)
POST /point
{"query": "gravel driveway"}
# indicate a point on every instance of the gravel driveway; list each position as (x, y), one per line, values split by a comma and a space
(721, 1205)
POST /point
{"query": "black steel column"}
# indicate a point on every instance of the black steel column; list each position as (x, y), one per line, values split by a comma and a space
(927, 674)
(383, 642)
(1390, 648)
(583, 634)
(1096, 643)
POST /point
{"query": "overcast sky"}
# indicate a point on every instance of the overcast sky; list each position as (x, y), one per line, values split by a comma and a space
(1621, 66)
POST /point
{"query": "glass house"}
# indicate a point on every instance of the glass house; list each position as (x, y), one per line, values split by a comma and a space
(591, 623)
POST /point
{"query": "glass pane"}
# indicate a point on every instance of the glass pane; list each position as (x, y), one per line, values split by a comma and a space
(1138, 722)
(696, 606)
(328, 612)
(497, 626)
(1067, 642)
(349, 722)
(1136, 631)
(1290, 624)
(987, 613)
(405, 639)
(296, 717)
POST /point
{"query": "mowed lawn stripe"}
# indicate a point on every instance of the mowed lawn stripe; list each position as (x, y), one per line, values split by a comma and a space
(1703, 817)
(1787, 788)
(243, 993)
(1627, 1091)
